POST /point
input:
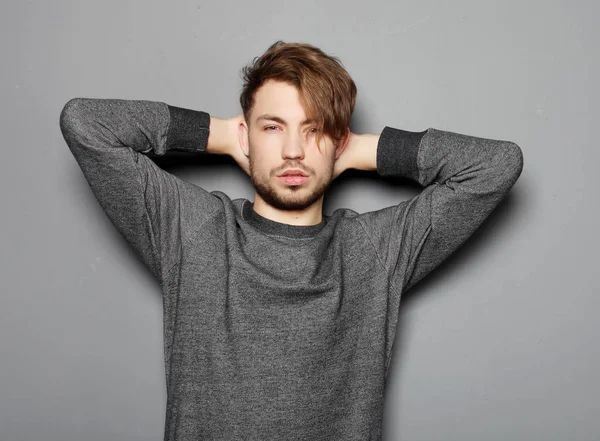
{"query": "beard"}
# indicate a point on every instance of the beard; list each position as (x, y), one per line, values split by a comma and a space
(293, 197)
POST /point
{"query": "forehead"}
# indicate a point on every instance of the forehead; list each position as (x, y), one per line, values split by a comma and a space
(280, 99)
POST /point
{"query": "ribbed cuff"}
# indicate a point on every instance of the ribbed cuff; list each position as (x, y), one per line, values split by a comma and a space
(188, 130)
(397, 153)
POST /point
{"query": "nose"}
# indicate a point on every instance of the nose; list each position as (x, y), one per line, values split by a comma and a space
(293, 146)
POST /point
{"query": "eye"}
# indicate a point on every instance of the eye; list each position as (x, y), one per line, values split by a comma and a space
(270, 127)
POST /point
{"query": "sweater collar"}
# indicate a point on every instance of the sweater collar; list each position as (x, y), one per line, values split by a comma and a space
(269, 226)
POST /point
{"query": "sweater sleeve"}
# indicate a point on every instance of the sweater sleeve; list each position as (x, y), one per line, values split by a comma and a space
(111, 140)
(465, 178)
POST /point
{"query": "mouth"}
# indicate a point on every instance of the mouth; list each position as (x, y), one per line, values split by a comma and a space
(293, 179)
(294, 172)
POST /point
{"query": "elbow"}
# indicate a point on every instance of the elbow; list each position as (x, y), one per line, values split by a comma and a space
(68, 114)
(510, 164)
(515, 159)
(71, 116)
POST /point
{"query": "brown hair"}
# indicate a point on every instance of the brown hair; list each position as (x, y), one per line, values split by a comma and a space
(327, 92)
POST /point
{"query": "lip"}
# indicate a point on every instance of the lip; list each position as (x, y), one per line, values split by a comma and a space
(293, 171)
(301, 180)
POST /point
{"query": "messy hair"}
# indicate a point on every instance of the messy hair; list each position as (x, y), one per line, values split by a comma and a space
(327, 92)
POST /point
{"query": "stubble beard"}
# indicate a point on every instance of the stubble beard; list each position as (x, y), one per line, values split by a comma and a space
(290, 197)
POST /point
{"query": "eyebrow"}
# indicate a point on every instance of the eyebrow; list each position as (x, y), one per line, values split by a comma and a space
(280, 120)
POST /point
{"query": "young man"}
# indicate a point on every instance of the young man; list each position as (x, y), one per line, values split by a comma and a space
(279, 321)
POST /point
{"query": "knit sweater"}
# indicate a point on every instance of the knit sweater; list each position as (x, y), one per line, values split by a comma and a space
(275, 331)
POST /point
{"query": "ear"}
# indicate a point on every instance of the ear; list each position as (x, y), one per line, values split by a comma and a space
(243, 133)
(342, 144)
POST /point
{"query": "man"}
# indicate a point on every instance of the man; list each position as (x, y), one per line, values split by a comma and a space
(279, 320)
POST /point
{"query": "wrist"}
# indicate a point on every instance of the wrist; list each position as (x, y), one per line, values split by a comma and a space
(364, 152)
(218, 137)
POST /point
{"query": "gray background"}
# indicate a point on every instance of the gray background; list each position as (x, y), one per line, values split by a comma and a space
(498, 343)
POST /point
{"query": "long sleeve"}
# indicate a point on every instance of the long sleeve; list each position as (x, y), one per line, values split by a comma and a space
(111, 140)
(465, 178)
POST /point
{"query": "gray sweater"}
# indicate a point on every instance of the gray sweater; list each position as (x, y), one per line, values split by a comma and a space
(275, 331)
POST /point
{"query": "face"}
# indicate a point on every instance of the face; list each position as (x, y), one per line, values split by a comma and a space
(280, 138)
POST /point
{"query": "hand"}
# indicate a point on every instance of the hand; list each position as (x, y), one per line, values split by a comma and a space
(360, 153)
(223, 139)
(345, 159)
(234, 148)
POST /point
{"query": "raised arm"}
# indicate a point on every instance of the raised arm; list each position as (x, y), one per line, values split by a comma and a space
(465, 178)
(110, 140)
